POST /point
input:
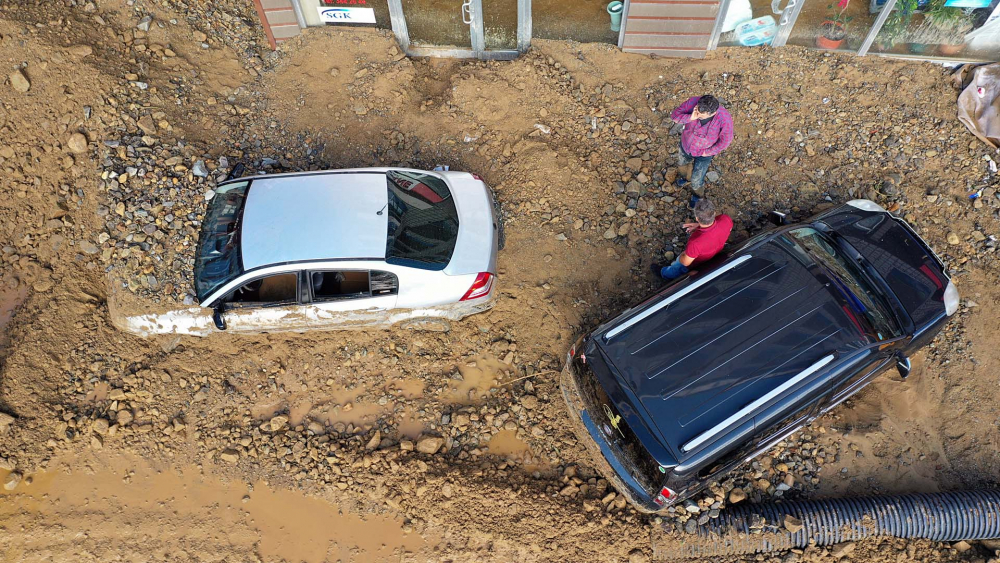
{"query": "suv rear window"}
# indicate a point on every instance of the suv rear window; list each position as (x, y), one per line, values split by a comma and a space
(423, 221)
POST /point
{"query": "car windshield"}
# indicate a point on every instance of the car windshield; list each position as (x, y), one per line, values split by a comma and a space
(867, 304)
(423, 221)
(218, 257)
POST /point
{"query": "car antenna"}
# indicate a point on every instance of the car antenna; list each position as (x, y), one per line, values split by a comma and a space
(379, 212)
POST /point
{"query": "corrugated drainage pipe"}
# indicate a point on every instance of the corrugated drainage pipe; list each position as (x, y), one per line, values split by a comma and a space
(961, 515)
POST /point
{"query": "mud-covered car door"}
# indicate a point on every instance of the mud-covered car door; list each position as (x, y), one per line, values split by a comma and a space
(350, 296)
(271, 302)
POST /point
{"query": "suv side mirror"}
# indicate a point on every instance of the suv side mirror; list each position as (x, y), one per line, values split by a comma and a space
(903, 366)
(777, 218)
(217, 318)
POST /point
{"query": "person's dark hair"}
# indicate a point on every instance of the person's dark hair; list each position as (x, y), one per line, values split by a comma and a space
(704, 211)
(708, 104)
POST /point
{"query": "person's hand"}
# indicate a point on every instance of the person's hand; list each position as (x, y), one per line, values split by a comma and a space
(690, 227)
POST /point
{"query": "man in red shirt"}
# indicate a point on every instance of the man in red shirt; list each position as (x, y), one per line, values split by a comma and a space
(708, 236)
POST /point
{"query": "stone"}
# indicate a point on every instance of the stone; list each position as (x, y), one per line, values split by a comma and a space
(12, 480)
(19, 81)
(101, 426)
(374, 442)
(88, 247)
(953, 238)
(144, 23)
(124, 417)
(147, 125)
(633, 164)
(637, 556)
(77, 143)
(712, 176)
(278, 422)
(842, 549)
(429, 444)
(199, 169)
(961, 546)
(792, 524)
(230, 455)
(737, 495)
(80, 51)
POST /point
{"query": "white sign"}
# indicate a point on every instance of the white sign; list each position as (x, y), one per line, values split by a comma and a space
(346, 15)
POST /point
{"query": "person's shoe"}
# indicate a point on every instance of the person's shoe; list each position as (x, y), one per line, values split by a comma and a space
(656, 268)
(681, 182)
(693, 201)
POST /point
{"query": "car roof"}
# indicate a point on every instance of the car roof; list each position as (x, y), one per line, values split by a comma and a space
(320, 216)
(727, 341)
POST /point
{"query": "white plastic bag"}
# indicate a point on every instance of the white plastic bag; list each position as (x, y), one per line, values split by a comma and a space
(739, 11)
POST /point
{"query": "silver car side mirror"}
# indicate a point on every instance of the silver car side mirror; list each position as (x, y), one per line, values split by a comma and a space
(903, 366)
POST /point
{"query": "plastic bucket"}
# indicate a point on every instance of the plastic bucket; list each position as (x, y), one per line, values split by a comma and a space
(615, 11)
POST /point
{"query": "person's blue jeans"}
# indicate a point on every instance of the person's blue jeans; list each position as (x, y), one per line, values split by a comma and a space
(673, 271)
(698, 171)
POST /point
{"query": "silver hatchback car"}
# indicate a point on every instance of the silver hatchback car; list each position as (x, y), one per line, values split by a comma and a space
(341, 249)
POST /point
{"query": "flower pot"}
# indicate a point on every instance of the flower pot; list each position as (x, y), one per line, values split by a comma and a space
(948, 50)
(832, 35)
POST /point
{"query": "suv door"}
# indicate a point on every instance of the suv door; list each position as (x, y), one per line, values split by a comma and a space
(869, 366)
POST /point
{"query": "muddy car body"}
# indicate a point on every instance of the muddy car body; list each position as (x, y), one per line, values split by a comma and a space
(718, 367)
(356, 248)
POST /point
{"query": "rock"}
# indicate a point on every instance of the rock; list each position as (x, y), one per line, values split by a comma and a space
(633, 164)
(199, 169)
(200, 37)
(101, 426)
(80, 51)
(144, 23)
(12, 480)
(278, 422)
(230, 455)
(124, 417)
(19, 81)
(406, 446)
(712, 176)
(147, 125)
(96, 442)
(637, 556)
(953, 238)
(374, 442)
(961, 546)
(429, 444)
(88, 247)
(737, 495)
(842, 549)
(792, 524)
(610, 233)
(691, 526)
(77, 143)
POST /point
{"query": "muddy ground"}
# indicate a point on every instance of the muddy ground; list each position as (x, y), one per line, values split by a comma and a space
(387, 445)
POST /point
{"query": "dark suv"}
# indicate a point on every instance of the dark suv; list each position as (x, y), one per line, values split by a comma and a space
(718, 367)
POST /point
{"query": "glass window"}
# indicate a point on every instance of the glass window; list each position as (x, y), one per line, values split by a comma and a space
(837, 25)
(750, 23)
(336, 285)
(848, 279)
(423, 221)
(218, 258)
(586, 21)
(276, 289)
(939, 28)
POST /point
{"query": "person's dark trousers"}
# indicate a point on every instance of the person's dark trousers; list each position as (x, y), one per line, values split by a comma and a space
(698, 171)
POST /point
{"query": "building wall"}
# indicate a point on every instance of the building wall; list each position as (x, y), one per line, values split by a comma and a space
(278, 19)
(669, 28)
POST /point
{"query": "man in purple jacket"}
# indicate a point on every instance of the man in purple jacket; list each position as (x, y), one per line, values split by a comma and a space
(708, 130)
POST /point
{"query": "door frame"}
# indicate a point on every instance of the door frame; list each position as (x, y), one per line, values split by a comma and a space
(477, 47)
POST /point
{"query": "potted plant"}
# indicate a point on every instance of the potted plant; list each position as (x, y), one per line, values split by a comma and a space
(897, 24)
(834, 30)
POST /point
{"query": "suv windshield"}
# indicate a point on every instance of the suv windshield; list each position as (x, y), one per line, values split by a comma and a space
(218, 260)
(850, 282)
(423, 221)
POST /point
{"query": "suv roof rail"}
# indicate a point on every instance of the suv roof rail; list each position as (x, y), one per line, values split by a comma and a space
(700, 281)
(718, 428)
